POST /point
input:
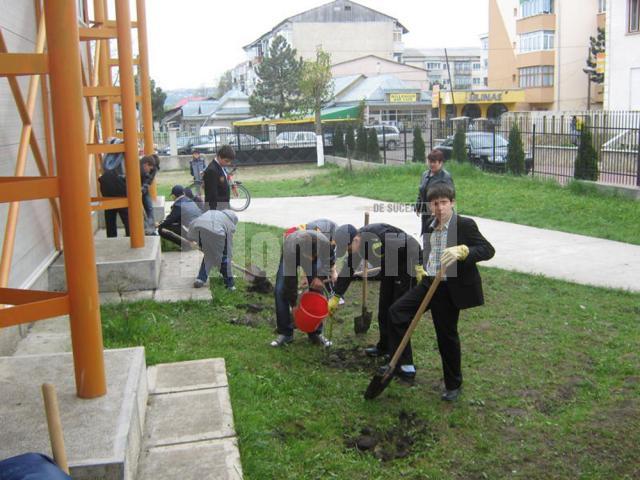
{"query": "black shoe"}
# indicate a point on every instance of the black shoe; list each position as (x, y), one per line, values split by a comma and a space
(374, 352)
(451, 395)
(407, 376)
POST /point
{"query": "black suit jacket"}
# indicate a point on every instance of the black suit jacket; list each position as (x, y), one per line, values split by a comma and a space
(463, 278)
(216, 187)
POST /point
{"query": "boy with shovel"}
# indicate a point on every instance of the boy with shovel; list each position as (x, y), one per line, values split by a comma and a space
(456, 243)
(397, 254)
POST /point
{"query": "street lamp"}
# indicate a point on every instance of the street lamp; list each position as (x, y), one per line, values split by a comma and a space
(589, 71)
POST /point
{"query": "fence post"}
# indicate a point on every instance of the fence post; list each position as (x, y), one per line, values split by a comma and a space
(404, 131)
(533, 149)
(238, 139)
(384, 146)
(638, 161)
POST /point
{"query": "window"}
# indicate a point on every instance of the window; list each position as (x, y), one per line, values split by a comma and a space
(476, 66)
(476, 81)
(529, 8)
(541, 76)
(397, 35)
(462, 82)
(602, 6)
(634, 16)
(433, 66)
(539, 40)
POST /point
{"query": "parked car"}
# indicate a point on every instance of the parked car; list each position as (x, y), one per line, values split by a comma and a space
(296, 139)
(185, 145)
(247, 142)
(481, 150)
(388, 136)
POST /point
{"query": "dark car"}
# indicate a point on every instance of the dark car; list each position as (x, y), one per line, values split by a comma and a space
(482, 151)
(186, 144)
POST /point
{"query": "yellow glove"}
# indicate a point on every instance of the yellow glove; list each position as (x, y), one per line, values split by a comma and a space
(453, 254)
(420, 273)
(333, 304)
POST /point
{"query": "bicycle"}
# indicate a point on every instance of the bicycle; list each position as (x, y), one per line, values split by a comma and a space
(240, 197)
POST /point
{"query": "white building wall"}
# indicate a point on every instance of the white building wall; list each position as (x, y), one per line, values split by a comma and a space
(622, 76)
(576, 22)
(344, 41)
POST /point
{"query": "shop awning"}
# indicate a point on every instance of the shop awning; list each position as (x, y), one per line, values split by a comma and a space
(330, 114)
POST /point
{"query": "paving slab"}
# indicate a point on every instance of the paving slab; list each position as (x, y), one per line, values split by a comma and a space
(185, 376)
(189, 416)
(52, 335)
(565, 256)
(102, 436)
(209, 460)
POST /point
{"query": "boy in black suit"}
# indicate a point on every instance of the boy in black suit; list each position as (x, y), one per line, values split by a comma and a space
(455, 242)
(216, 180)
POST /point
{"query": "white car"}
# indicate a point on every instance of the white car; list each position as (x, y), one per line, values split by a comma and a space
(296, 139)
(247, 142)
(388, 136)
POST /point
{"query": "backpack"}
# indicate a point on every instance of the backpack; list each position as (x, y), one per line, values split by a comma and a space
(114, 161)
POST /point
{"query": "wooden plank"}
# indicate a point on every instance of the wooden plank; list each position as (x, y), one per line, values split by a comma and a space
(17, 189)
(109, 203)
(101, 91)
(113, 62)
(112, 24)
(97, 33)
(94, 148)
(12, 64)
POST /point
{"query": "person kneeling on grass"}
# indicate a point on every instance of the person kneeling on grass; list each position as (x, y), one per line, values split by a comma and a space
(213, 231)
(309, 249)
(455, 242)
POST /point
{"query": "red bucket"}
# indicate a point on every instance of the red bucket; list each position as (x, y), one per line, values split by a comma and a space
(313, 308)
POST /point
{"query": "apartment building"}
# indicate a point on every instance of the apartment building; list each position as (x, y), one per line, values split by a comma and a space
(464, 63)
(541, 46)
(622, 66)
(344, 29)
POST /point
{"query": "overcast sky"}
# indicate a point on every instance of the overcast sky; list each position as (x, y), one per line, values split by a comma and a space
(192, 42)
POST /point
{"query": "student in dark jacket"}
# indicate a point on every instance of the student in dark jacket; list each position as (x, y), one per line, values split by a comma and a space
(455, 242)
(197, 166)
(183, 212)
(216, 181)
(149, 166)
(435, 174)
(112, 184)
(397, 254)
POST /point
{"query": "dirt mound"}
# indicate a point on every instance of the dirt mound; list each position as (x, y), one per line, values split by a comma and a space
(399, 441)
(349, 358)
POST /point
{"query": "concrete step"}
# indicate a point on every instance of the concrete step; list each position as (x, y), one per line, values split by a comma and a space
(189, 432)
(120, 268)
(102, 435)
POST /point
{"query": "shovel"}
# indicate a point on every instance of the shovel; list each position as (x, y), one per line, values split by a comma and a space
(252, 274)
(362, 322)
(380, 380)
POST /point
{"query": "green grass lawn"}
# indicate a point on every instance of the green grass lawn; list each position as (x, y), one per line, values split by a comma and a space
(552, 388)
(574, 209)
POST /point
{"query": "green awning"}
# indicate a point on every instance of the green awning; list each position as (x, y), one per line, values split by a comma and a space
(330, 114)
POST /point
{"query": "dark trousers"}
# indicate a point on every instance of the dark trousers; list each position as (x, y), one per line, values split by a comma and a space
(391, 289)
(225, 269)
(445, 320)
(284, 321)
(147, 206)
(30, 466)
(175, 228)
(110, 220)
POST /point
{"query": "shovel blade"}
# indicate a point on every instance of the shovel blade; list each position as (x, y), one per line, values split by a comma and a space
(362, 323)
(378, 384)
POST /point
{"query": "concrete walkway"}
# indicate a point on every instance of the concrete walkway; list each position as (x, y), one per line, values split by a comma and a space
(576, 258)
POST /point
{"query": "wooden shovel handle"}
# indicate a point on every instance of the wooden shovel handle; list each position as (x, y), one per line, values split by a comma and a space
(416, 318)
(55, 426)
(365, 276)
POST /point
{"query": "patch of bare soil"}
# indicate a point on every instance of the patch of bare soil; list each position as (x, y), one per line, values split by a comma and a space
(349, 358)
(411, 434)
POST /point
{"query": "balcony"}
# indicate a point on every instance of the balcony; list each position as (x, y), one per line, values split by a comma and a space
(533, 59)
(545, 21)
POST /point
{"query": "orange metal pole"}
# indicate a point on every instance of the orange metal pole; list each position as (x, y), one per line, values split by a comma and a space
(145, 85)
(71, 154)
(104, 72)
(129, 128)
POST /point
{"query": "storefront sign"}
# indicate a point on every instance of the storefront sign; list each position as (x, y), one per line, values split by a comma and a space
(484, 97)
(600, 61)
(435, 96)
(403, 97)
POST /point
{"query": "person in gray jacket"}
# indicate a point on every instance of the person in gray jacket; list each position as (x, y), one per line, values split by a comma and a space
(183, 212)
(435, 174)
(213, 230)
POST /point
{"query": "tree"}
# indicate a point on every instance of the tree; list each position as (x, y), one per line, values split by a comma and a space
(418, 146)
(316, 86)
(596, 46)
(373, 148)
(459, 145)
(158, 98)
(225, 83)
(361, 143)
(586, 166)
(338, 141)
(278, 91)
(515, 152)
(350, 141)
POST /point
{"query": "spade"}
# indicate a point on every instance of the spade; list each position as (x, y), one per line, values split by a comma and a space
(380, 380)
(362, 322)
